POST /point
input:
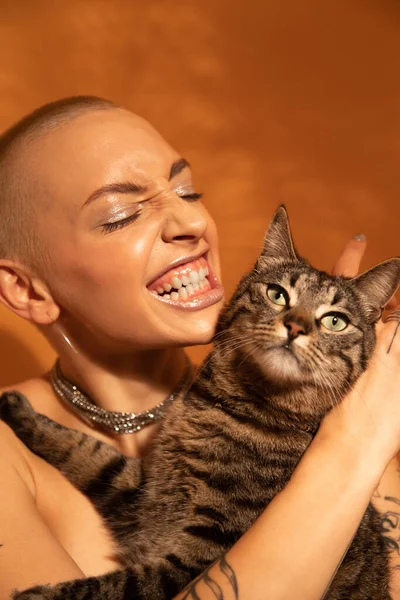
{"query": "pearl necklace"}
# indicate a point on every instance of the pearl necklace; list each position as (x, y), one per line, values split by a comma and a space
(118, 422)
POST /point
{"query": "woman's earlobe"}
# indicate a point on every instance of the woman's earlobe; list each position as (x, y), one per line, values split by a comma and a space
(43, 312)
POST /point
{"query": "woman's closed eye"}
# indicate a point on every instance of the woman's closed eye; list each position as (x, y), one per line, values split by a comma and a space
(109, 227)
(191, 197)
(126, 220)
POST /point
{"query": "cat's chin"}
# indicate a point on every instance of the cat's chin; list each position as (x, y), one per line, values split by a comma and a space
(280, 366)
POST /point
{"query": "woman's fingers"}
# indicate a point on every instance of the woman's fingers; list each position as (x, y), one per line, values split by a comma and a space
(350, 259)
(374, 402)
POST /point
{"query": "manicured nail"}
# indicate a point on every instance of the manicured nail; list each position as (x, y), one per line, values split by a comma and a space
(360, 237)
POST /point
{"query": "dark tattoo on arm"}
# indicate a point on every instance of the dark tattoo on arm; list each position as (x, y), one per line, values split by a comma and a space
(390, 529)
(191, 592)
(390, 523)
(391, 499)
(394, 316)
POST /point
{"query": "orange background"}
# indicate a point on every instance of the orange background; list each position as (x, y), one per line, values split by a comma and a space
(271, 102)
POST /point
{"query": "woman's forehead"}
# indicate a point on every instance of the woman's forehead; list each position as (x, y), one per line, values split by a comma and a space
(98, 148)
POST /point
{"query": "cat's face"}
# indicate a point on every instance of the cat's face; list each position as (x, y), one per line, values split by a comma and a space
(304, 326)
(300, 325)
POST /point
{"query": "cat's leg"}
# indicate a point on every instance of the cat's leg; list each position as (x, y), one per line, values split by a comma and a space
(112, 586)
(95, 468)
(154, 581)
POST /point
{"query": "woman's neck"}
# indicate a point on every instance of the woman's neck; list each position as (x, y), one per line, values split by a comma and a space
(123, 381)
(132, 383)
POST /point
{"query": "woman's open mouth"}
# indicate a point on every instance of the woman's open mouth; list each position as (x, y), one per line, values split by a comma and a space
(190, 286)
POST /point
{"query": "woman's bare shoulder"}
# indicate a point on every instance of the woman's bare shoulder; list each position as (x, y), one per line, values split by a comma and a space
(13, 453)
(35, 388)
(37, 391)
(30, 553)
(14, 456)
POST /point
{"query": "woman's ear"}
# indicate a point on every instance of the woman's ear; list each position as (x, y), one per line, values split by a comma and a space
(26, 295)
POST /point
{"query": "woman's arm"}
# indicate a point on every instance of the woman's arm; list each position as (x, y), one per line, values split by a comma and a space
(295, 547)
(386, 500)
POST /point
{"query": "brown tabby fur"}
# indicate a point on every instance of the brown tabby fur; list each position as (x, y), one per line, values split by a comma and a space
(232, 442)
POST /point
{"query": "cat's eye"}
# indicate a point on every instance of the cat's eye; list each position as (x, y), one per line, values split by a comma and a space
(277, 295)
(335, 321)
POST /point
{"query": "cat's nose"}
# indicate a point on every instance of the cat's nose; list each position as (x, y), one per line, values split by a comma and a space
(295, 329)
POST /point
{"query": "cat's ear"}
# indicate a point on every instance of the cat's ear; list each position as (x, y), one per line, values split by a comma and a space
(377, 285)
(278, 243)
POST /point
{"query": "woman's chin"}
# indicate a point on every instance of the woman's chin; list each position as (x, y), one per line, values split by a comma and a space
(200, 340)
(198, 331)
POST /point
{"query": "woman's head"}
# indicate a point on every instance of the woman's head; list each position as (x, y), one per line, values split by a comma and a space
(95, 207)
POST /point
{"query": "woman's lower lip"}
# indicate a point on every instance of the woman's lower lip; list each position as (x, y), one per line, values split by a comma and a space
(199, 302)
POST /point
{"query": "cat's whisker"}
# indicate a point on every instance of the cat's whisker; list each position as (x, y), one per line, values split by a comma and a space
(227, 345)
(231, 338)
(330, 383)
(241, 344)
(234, 346)
(241, 341)
(325, 384)
(248, 353)
(346, 388)
(220, 345)
(220, 334)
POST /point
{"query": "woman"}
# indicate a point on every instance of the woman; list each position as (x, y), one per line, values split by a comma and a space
(110, 207)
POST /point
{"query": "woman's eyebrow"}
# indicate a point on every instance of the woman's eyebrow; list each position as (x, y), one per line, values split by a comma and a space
(177, 167)
(128, 187)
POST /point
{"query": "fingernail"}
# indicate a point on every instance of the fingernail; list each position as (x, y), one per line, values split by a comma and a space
(360, 237)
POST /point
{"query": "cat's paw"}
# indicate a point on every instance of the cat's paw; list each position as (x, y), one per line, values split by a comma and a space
(39, 592)
(17, 412)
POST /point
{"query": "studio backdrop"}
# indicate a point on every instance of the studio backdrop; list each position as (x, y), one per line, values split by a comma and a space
(294, 102)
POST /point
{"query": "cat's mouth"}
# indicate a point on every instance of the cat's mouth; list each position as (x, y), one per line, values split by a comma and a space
(288, 352)
(281, 363)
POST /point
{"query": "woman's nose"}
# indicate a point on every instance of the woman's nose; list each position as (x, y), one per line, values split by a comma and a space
(185, 221)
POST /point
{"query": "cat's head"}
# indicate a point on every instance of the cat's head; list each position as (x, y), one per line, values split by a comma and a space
(300, 325)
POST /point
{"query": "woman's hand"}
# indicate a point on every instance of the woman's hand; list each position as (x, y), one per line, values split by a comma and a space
(349, 261)
(370, 414)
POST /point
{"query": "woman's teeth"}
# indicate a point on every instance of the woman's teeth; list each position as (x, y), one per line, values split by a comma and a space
(180, 287)
(185, 286)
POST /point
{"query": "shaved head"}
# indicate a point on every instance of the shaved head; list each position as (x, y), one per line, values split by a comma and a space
(95, 205)
(22, 195)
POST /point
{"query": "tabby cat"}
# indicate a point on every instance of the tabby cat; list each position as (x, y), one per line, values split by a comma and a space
(290, 344)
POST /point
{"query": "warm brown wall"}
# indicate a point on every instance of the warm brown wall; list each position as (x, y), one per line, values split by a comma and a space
(294, 102)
